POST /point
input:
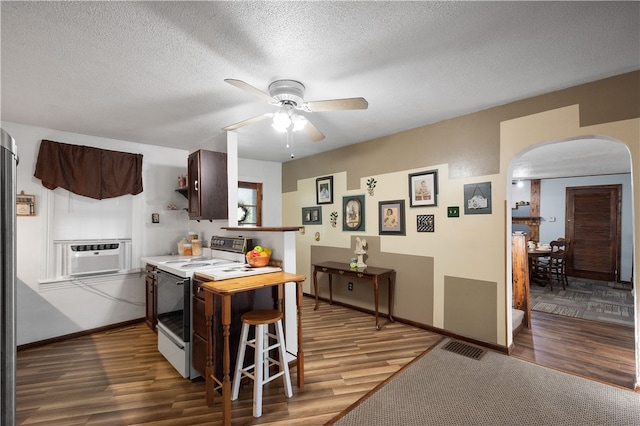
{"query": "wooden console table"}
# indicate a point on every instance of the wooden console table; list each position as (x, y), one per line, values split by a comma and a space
(369, 273)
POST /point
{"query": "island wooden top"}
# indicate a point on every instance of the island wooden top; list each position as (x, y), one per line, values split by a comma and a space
(252, 282)
(262, 228)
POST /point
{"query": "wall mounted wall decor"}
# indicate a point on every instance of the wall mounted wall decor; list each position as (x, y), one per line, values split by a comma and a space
(426, 223)
(312, 215)
(423, 189)
(391, 218)
(477, 198)
(371, 184)
(334, 218)
(324, 190)
(353, 213)
(25, 204)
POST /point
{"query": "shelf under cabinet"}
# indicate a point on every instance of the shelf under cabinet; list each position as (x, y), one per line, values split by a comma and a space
(184, 192)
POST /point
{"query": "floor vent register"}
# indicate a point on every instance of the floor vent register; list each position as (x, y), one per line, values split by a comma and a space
(464, 349)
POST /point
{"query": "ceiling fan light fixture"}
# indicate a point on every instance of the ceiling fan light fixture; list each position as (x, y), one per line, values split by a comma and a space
(298, 122)
(281, 121)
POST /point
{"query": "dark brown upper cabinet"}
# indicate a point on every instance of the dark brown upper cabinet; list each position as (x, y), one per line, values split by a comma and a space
(208, 190)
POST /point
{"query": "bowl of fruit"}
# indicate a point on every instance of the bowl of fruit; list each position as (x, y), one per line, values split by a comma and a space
(258, 257)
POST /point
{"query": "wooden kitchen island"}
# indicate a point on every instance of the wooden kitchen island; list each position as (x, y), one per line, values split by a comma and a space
(225, 289)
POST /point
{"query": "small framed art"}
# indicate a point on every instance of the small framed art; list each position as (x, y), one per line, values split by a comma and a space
(353, 213)
(25, 204)
(477, 198)
(426, 223)
(324, 190)
(423, 189)
(312, 215)
(391, 218)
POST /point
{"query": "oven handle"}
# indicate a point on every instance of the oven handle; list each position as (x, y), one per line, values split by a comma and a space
(179, 281)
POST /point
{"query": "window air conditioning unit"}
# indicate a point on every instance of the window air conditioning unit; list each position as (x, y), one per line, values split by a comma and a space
(93, 258)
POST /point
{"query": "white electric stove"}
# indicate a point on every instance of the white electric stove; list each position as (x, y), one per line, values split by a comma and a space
(174, 293)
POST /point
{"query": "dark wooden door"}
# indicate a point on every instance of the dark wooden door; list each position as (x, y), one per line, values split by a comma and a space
(593, 227)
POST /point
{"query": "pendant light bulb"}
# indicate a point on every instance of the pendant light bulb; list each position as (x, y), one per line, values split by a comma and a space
(281, 120)
(298, 122)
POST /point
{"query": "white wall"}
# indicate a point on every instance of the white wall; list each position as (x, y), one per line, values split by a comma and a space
(47, 310)
(51, 309)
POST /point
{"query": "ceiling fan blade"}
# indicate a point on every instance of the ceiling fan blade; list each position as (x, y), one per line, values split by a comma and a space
(337, 104)
(252, 90)
(248, 121)
(315, 134)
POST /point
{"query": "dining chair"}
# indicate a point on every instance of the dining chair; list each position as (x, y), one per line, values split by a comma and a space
(555, 264)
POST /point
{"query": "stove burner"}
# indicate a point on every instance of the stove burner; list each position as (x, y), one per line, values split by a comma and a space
(195, 265)
(237, 269)
(173, 261)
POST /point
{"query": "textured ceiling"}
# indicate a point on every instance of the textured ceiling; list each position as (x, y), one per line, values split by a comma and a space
(153, 72)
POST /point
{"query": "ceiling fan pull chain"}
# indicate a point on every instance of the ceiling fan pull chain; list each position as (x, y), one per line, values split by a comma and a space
(290, 140)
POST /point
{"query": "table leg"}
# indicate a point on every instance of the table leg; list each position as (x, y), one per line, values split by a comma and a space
(226, 361)
(279, 303)
(210, 383)
(330, 290)
(375, 300)
(315, 286)
(392, 279)
(299, 303)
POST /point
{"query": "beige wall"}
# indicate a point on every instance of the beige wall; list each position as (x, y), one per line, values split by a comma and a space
(465, 257)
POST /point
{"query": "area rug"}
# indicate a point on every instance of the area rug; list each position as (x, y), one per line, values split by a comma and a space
(587, 299)
(445, 388)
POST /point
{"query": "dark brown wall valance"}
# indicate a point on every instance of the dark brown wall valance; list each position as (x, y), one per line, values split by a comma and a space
(91, 172)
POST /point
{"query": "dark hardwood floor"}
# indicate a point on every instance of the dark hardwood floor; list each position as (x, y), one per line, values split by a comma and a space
(592, 349)
(119, 378)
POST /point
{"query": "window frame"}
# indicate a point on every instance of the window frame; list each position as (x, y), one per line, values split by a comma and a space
(257, 187)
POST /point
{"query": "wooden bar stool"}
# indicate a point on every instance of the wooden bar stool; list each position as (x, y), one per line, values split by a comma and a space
(259, 370)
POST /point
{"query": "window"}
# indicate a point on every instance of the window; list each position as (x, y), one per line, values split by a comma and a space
(250, 203)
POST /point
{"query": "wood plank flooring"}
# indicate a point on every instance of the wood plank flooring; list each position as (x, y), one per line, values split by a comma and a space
(119, 378)
(597, 350)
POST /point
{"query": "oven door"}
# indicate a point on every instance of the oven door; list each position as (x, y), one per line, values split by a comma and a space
(174, 305)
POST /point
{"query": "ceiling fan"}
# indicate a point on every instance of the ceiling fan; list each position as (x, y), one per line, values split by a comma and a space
(288, 95)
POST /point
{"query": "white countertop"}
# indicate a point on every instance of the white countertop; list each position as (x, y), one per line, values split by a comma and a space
(159, 260)
(174, 263)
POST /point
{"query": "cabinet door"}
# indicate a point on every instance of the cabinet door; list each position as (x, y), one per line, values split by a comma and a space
(151, 297)
(199, 355)
(193, 173)
(208, 191)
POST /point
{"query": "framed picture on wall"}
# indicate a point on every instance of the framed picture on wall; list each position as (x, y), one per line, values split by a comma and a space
(324, 190)
(477, 198)
(353, 213)
(425, 223)
(423, 189)
(391, 218)
(25, 204)
(312, 215)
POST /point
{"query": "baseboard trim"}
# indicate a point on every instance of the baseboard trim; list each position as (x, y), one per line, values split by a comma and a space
(492, 346)
(78, 334)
